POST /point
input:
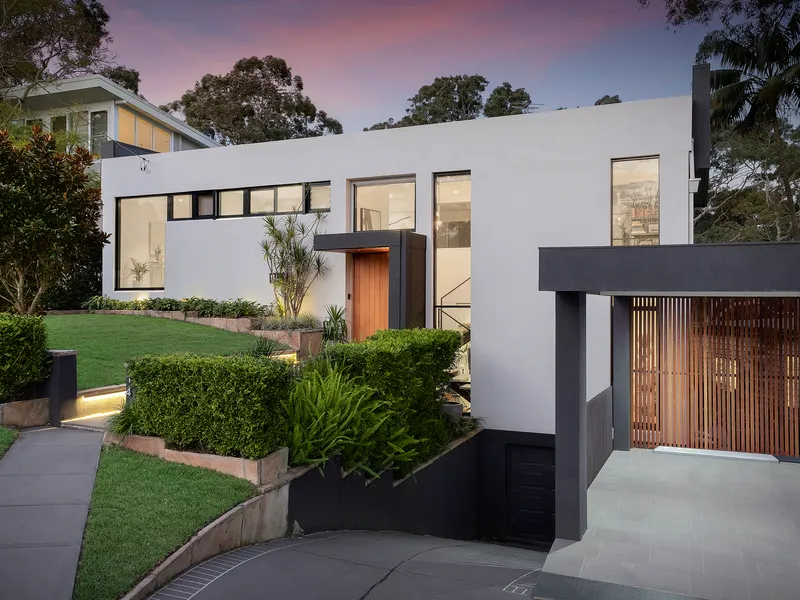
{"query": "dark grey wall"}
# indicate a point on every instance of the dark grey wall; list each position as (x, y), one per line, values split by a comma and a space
(707, 269)
(599, 437)
(439, 500)
(621, 371)
(114, 149)
(517, 487)
(701, 128)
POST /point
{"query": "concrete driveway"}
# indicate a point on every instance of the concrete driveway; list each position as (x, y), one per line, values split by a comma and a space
(361, 565)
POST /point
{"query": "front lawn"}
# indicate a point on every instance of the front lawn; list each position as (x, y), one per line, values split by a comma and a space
(105, 342)
(7, 437)
(143, 509)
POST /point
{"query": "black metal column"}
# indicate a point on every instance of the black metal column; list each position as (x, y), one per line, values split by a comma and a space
(62, 386)
(621, 384)
(571, 471)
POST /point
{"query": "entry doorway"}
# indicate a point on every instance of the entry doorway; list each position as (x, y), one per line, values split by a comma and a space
(370, 297)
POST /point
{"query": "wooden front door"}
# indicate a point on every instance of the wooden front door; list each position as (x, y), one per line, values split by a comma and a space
(370, 300)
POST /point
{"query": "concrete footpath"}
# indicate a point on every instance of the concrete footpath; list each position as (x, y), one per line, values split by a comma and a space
(46, 482)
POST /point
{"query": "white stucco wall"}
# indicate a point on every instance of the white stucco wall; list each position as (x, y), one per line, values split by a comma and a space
(537, 180)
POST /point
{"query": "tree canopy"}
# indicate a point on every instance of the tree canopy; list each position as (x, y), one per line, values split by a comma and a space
(683, 12)
(49, 209)
(758, 84)
(459, 98)
(127, 78)
(258, 101)
(607, 100)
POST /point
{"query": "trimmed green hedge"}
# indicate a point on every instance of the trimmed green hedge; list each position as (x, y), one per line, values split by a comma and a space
(227, 405)
(23, 354)
(408, 368)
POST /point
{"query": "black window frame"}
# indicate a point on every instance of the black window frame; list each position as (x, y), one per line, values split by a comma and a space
(196, 205)
(171, 206)
(307, 208)
(118, 237)
(354, 183)
(274, 189)
(302, 210)
(245, 203)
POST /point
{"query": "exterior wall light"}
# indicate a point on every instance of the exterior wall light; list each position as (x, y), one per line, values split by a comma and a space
(694, 185)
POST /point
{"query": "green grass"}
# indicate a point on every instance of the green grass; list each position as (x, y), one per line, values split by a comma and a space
(143, 509)
(7, 437)
(105, 342)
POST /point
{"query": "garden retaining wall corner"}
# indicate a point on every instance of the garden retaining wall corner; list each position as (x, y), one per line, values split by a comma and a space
(258, 472)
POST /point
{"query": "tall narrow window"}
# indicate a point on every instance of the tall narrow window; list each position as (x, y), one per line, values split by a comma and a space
(453, 225)
(99, 130)
(161, 139)
(384, 205)
(144, 134)
(58, 126)
(79, 126)
(141, 259)
(635, 202)
(452, 266)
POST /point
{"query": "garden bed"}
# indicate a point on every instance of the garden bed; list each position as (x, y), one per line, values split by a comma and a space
(258, 472)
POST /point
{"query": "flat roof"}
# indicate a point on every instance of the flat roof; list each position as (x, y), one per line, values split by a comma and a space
(759, 269)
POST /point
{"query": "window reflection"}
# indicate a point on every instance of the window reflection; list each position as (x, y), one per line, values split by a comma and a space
(384, 205)
(141, 261)
(635, 202)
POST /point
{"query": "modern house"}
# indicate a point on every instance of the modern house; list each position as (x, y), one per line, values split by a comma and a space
(433, 226)
(95, 109)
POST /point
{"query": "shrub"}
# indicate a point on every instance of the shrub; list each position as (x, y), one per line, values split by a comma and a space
(334, 329)
(331, 413)
(407, 368)
(23, 354)
(265, 347)
(227, 405)
(270, 323)
(204, 307)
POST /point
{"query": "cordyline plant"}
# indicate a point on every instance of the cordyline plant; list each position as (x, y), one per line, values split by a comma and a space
(49, 209)
(293, 263)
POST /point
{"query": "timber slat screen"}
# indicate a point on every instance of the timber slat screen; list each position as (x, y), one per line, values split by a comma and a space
(716, 373)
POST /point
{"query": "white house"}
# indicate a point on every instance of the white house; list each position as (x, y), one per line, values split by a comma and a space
(96, 109)
(481, 197)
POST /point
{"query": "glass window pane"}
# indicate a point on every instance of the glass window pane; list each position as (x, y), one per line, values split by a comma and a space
(635, 202)
(290, 198)
(453, 255)
(126, 126)
(205, 205)
(144, 134)
(58, 125)
(80, 127)
(182, 206)
(262, 201)
(99, 130)
(162, 140)
(231, 203)
(320, 197)
(141, 261)
(384, 206)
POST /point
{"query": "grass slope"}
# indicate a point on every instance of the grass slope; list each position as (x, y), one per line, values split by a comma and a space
(7, 437)
(143, 509)
(105, 342)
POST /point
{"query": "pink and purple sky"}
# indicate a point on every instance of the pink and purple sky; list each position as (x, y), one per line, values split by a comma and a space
(361, 59)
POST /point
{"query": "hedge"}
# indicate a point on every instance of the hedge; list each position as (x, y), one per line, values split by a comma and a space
(23, 354)
(227, 405)
(408, 368)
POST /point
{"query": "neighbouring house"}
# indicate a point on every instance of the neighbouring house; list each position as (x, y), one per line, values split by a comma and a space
(97, 110)
(433, 226)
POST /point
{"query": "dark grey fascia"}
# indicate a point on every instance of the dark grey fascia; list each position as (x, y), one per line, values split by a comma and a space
(115, 149)
(701, 129)
(407, 268)
(679, 270)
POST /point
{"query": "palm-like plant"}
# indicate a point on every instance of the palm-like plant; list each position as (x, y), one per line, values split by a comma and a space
(759, 81)
(293, 263)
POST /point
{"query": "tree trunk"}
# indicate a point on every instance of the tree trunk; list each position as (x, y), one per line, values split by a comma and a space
(793, 233)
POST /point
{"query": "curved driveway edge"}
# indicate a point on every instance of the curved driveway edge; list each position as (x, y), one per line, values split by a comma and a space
(361, 565)
(259, 519)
